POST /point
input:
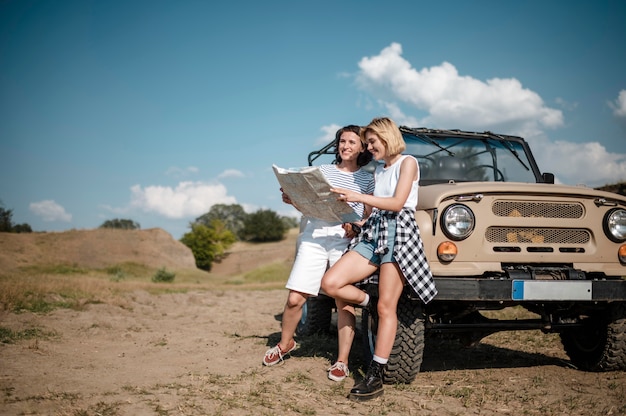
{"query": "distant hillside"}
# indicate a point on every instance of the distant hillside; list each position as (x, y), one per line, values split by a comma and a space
(100, 248)
(97, 248)
(618, 188)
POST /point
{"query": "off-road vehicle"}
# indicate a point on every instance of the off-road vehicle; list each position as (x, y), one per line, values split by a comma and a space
(498, 233)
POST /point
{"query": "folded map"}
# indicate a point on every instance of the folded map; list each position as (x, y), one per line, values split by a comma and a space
(310, 193)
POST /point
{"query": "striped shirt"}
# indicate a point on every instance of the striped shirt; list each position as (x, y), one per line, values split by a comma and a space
(359, 181)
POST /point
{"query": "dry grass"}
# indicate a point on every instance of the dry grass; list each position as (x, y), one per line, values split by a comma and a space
(457, 387)
(43, 288)
(43, 271)
(521, 372)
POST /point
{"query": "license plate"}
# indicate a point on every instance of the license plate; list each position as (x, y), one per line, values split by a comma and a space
(551, 290)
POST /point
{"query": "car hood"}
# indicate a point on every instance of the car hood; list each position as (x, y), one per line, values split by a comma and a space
(430, 196)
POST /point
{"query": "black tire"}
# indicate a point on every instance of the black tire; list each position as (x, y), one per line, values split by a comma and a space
(317, 314)
(600, 345)
(408, 348)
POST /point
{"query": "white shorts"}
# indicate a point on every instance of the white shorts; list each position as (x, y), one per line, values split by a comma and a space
(319, 247)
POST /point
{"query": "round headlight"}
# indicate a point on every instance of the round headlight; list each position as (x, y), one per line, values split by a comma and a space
(615, 225)
(458, 222)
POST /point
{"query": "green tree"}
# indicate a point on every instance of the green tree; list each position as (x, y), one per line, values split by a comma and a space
(7, 225)
(233, 216)
(208, 243)
(122, 224)
(264, 225)
(22, 228)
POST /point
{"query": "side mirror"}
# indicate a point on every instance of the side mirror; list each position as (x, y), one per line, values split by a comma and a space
(547, 177)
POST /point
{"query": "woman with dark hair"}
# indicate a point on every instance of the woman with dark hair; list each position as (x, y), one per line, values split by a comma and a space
(320, 245)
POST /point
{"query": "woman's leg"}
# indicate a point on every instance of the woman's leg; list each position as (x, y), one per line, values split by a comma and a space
(304, 281)
(291, 316)
(339, 279)
(346, 321)
(390, 286)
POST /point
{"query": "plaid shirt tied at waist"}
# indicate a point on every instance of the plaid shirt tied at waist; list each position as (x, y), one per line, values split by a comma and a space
(408, 249)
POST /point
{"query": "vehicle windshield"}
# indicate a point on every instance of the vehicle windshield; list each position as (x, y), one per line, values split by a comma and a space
(483, 159)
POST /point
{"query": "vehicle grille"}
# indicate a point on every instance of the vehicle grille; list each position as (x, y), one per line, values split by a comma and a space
(537, 209)
(537, 235)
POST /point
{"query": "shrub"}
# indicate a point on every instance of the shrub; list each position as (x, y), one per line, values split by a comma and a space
(122, 224)
(232, 216)
(163, 276)
(7, 225)
(208, 243)
(264, 225)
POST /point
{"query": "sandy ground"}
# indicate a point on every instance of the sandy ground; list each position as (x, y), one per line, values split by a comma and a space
(199, 353)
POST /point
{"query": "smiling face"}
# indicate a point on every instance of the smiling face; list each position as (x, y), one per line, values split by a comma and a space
(349, 146)
(375, 145)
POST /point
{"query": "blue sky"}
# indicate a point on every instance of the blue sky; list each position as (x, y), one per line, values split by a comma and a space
(156, 110)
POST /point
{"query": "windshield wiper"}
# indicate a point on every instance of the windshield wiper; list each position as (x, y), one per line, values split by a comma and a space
(434, 143)
(425, 137)
(509, 147)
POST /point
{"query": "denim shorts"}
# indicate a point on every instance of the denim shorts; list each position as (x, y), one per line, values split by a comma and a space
(366, 248)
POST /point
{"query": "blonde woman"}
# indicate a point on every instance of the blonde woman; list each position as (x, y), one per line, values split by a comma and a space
(389, 243)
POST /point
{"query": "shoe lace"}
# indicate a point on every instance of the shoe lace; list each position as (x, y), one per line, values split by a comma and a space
(275, 351)
(340, 366)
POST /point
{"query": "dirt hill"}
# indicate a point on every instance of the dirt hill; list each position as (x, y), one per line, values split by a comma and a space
(243, 257)
(97, 248)
(101, 248)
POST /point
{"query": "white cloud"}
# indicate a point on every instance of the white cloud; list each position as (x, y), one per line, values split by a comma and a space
(231, 173)
(49, 210)
(188, 199)
(452, 100)
(573, 162)
(328, 134)
(446, 99)
(399, 117)
(619, 105)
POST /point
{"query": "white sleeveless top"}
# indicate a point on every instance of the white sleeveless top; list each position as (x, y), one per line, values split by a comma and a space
(386, 180)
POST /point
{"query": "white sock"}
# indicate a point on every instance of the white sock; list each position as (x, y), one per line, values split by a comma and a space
(365, 301)
(380, 360)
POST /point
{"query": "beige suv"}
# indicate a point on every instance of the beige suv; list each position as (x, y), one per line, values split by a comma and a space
(498, 233)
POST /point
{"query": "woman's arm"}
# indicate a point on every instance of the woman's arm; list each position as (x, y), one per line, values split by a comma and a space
(288, 200)
(351, 228)
(408, 174)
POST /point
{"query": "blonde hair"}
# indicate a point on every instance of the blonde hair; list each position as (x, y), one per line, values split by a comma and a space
(388, 133)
